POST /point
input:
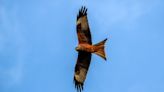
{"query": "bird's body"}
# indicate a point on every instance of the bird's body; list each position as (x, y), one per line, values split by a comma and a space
(85, 49)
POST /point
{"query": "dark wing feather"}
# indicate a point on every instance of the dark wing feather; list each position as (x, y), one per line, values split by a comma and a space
(81, 69)
(83, 31)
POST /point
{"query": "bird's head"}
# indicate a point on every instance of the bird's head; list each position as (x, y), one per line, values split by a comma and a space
(77, 48)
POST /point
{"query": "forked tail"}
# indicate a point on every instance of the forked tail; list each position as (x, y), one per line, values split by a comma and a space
(99, 49)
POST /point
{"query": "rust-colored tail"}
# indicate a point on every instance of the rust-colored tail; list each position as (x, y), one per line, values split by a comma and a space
(99, 49)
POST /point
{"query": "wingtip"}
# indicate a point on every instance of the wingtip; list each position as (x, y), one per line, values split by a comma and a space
(78, 85)
(82, 12)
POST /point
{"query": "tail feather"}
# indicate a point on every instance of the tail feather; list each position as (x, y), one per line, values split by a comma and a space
(100, 49)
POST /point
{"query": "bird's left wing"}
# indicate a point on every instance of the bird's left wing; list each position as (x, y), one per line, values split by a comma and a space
(82, 27)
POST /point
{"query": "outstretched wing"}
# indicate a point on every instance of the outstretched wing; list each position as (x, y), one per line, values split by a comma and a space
(83, 31)
(84, 58)
(81, 69)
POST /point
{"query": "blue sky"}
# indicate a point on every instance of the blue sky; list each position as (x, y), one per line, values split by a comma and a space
(38, 40)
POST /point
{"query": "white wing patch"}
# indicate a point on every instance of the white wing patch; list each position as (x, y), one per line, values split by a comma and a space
(81, 75)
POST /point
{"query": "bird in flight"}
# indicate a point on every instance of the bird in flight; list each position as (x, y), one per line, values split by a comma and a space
(85, 49)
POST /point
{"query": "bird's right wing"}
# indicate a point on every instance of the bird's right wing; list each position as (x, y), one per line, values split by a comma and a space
(81, 69)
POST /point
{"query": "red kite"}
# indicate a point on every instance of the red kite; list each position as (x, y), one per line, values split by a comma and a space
(85, 49)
